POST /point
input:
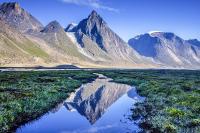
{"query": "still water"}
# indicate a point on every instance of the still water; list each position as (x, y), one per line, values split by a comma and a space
(97, 107)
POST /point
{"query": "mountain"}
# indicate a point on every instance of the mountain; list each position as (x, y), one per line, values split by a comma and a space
(30, 44)
(54, 35)
(53, 27)
(24, 41)
(194, 42)
(18, 18)
(168, 49)
(16, 49)
(70, 27)
(97, 30)
(91, 43)
(60, 43)
(94, 27)
(145, 44)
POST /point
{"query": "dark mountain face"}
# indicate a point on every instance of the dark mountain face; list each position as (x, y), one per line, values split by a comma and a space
(148, 48)
(18, 18)
(194, 42)
(166, 35)
(70, 28)
(96, 29)
(92, 27)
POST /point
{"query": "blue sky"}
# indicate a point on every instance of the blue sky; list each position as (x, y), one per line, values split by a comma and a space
(127, 18)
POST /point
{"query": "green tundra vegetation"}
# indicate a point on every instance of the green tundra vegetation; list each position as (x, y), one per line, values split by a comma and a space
(172, 98)
(25, 96)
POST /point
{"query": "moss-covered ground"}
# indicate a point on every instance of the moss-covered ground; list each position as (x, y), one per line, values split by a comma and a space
(172, 97)
(172, 101)
(25, 96)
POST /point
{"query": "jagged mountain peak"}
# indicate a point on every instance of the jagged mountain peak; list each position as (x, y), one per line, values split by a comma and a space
(71, 27)
(95, 18)
(10, 5)
(96, 29)
(94, 13)
(18, 18)
(93, 27)
(53, 26)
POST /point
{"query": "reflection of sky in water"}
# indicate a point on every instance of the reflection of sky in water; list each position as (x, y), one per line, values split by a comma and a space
(112, 119)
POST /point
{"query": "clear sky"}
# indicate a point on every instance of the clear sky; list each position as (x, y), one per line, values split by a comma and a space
(127, 18)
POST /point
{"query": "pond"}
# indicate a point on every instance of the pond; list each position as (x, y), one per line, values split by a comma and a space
(97, 107)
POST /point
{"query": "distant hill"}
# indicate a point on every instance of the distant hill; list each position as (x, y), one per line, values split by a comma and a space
(167, 48)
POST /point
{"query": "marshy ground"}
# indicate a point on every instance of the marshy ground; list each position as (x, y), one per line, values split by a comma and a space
(172, 98)
(171, 102)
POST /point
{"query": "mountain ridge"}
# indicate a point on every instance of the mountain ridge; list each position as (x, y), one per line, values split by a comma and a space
(90, 43)
(97, 30)
(167, 48)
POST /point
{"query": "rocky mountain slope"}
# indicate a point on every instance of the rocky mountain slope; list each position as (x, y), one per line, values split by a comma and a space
(50, 41)
(96, 29)
(18, 18)
(24, 41)
(168, 49)
(89, 44)
(15, 48)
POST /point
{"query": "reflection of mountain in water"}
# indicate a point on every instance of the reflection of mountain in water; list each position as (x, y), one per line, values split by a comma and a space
(92, 100)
